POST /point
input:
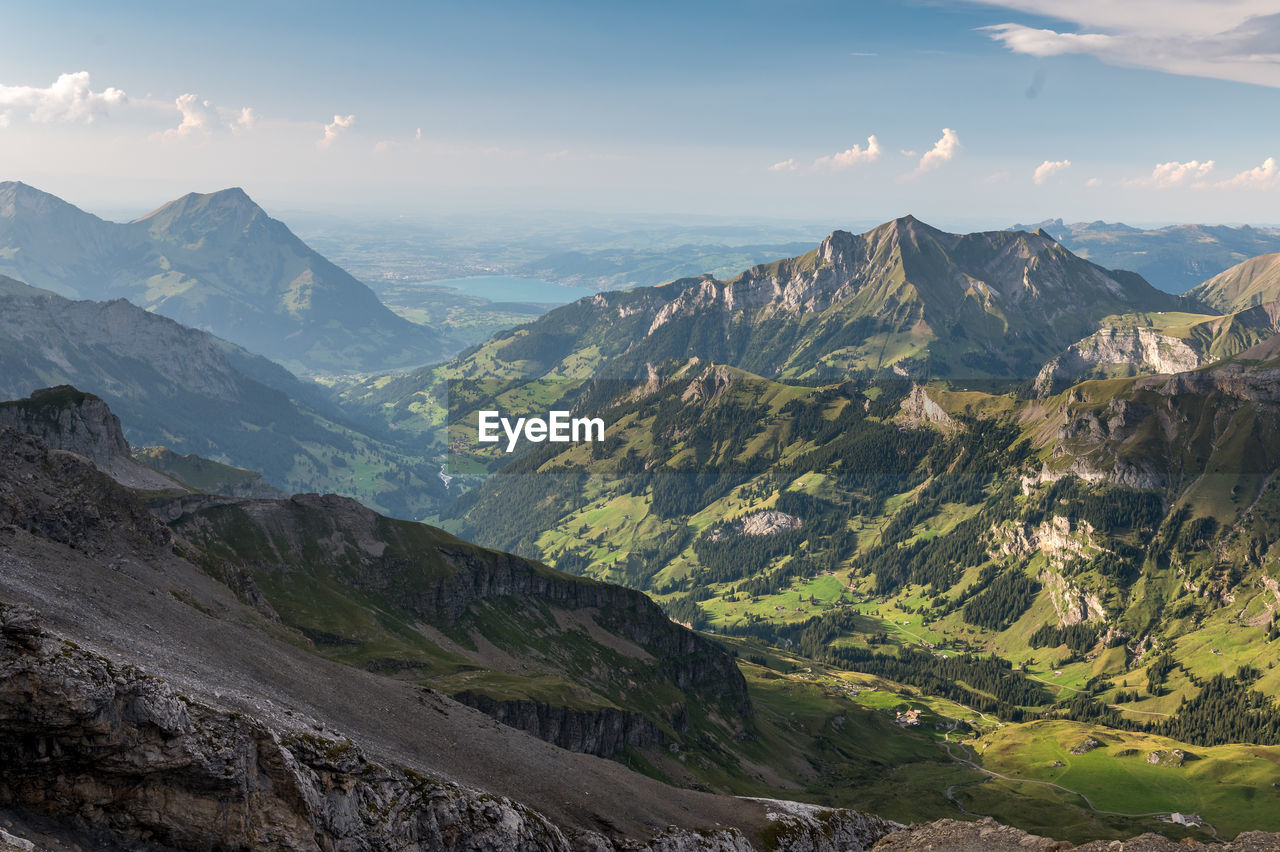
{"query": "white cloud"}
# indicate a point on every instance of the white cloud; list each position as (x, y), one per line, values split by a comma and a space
(331, 131)
(1021, 39)
(1235, 40)
(1173, 173)
(69, 98)
(1049, 168)
(909, 153)
(198, 117)
(942, 151)
(1093, 181)
(996, 177)
(850, 157)
(787, 165)
(417, 136)
(1264, 176)
(246, 120)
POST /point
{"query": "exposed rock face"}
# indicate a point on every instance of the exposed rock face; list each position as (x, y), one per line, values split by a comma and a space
(117, 753)
(1142, 350)
(768, 522)
(710, 386)
(79, 506)
(1071, 604)
(440, 580)
(799, 826)
(949, 835)
(81, 423)
(114, 749)
(603, 732)
(919, 409)
(1058, 537)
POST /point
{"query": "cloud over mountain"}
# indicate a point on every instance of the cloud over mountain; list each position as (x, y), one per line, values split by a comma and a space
(942, 151)
(851, 156)
(1049, 168)
(69, 98)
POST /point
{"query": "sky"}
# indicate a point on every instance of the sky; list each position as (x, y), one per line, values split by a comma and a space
(962, 113)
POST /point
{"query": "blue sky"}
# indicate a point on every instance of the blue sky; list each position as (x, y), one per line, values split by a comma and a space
(753, 109)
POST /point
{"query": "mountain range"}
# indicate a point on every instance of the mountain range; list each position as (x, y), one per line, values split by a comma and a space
(224, 673)
(191, 392)
(907, 453)
(965, 512)
(903, 299)
(217, 262)
(1174, 258)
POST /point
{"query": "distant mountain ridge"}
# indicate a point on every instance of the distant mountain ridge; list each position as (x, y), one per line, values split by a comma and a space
(215, 261)
(904, 297)
(188, 390)
(1248, 284)
(1175, 258)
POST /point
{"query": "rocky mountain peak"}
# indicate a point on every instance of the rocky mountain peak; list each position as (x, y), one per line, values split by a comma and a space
(18, 200)
(197, 214)
(77, 422)
(69, 419)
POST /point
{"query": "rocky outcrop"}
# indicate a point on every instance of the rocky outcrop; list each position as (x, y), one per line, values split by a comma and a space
(106, 750)
(919, 409)
(602, 731)
(1059, 538)
(709, 386)
(768, 522)
(1140, 350)
(81, 423)
(65, 498)
(799, 826)
(1071, 605)
(110, 748)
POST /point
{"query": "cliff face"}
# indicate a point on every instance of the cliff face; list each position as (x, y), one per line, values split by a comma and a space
(65, 499)
(601, 732)
(632, 675)
(125, 753)
(1138, 349)
(81, 423)
(120, 756)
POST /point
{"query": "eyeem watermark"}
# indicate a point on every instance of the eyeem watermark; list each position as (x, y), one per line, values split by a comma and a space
(558, 428)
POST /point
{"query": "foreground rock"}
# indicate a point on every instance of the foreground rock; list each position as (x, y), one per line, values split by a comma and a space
(119, 753)
(950, 835)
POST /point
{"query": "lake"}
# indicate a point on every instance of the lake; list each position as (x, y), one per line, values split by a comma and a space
(507, 288)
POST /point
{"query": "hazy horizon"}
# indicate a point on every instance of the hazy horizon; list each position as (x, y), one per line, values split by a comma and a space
(813, 110)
